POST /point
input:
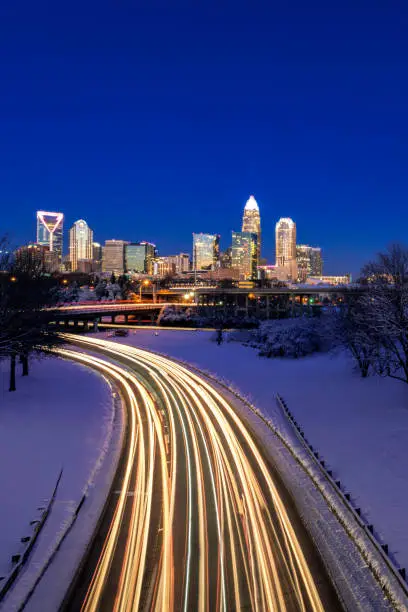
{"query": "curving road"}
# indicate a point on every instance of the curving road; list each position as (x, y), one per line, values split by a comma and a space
(196, 519)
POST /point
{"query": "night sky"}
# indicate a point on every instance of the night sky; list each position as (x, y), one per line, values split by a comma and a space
(152, 120)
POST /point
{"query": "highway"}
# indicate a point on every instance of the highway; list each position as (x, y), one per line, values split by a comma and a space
(196, 518)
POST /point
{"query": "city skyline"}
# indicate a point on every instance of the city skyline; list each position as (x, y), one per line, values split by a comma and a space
(81, 239)
(310, 117)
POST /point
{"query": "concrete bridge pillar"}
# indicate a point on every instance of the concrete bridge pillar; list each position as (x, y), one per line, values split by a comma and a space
(95, 325)
(113, 317)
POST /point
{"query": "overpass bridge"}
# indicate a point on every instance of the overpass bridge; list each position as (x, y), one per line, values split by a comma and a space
(265, 303)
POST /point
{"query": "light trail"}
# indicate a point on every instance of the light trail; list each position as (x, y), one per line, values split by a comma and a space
(199, 523)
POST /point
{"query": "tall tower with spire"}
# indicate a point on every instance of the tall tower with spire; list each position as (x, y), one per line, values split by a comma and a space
(251, 222)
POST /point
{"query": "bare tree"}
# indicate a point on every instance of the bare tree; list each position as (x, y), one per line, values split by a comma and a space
(384, 310)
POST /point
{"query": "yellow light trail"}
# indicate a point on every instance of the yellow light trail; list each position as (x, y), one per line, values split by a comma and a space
(189, 449)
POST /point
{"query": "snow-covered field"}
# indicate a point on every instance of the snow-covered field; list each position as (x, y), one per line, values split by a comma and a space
(58, 417)
(359, 426)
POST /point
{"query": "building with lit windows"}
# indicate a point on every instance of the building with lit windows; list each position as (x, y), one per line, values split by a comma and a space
(50, 231)
(181, 262)
(80, 244)
(344, 279)
(139, 257)
(244, 255)
(164, 266)
(285, 239)
(251, 222)
(113, 256)
(309, 262)
(206, 251)
(37, 257)
(96, 257)
(226, 258)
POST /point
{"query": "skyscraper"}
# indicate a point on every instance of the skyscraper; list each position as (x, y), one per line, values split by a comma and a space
(251, 222)
(285, 235)
(245, 254)
(80, 243)
(113, 256)
(309, 262)
(96, 257)
(49, 231)
(139, 257)
(206, 251)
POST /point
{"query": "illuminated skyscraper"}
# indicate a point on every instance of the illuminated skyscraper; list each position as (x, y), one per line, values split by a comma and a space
(244, 254)
(309, 262)
(96, 257)
(285, 234)
(139, 257)
(80, 243)
(251, 222)
(113, 256)
(206, 251)
(49, 231)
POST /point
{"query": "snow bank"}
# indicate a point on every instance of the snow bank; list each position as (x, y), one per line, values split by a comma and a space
(48, 423)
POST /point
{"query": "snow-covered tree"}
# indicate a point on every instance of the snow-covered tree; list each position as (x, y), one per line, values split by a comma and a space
(384, 310)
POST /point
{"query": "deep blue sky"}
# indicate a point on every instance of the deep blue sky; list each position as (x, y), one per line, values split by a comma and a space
(152, 120)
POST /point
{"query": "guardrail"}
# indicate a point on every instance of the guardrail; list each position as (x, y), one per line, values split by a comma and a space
(383, 549)
(21, 558)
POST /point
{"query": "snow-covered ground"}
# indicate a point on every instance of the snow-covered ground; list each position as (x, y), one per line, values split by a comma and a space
(359, 426)
(59, 417)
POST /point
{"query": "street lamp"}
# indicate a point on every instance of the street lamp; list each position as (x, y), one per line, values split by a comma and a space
(145, 283)
(13, 279)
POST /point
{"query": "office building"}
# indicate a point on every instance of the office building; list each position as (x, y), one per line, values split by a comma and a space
(206, 251)
(285, 237)
(113, 256)
(226, 258)
(164, 266)
(50, 231)
(251, 222)
(309, 262)
(139, 257)
(181, 262)
(245, 254)
(80, 244)
(96, 257)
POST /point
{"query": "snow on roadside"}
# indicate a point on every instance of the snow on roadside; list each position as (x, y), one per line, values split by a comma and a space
(359, 426)
(60, 416)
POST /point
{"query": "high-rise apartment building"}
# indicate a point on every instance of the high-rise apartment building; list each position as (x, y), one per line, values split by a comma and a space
(309, 262)
(139, 257)
(245, 254)
(206, 251)
(285, 236)
(37, 257)
(113, 256)
(80, 244)
(50, 231)
(251, 222)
